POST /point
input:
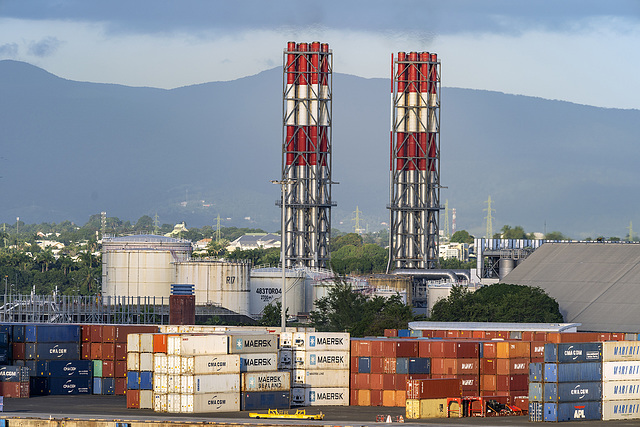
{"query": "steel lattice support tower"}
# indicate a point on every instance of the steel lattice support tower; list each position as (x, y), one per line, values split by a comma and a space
(415, 161)
(306, 153)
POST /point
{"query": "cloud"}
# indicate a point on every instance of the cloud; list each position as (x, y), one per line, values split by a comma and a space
(9, 50)
(44, 47)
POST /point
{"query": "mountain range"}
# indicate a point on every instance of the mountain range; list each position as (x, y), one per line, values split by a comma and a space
(71, 149)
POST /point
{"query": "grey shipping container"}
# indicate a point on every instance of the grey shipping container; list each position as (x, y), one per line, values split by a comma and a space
(535, 372)
(572, 372)
(573, 352)
(535, 392)
(573, 411)
(572, 392)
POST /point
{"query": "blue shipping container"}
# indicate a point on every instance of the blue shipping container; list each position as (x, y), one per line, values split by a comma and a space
(573, 411)
(251, 401)
(52, 333)
(52, 351)
(14, 373)
(4, 339)
(18, 333)
(573, 352)
(535, 372)
(146, 380)
(403, 333)
(364, 365)
(38, 386)
(402, 365)
(108, 386)
(572, 372)
(7, 329)
(97, 385)
(419, 365)
(69, 385)
(133, 380)
(572, 392)
(70, 368)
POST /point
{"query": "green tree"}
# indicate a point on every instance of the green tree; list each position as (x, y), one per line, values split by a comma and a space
(353, 239)
(462, 236)
(555, 235)
(497, 303)
(271, 315)
(144, 224)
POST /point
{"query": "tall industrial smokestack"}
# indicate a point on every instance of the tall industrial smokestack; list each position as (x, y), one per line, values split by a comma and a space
(415, 161)
(306, 154)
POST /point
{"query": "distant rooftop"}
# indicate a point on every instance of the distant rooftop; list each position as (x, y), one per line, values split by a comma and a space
(495, 326)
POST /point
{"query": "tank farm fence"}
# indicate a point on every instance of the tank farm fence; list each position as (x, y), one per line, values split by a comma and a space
(85, 309)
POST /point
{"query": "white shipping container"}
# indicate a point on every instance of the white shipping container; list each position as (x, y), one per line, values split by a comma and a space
(620, 350)
(133, 361)
(285, 339)
(338, 360)
(173, 403)
(621, 410)
(253, 343)
(211, 364)
(160, 402)
(258, 362)
(212, 383)
(320, 396)
(146, 399)
(320, 378)
(285, 359)
(146, 343)
(174, 364)
(266, 381)
(214, 402)
(133, 343)
(173, 383)
(194, 345)
(616, 371)
(160, 383)
(146, 361)
(621, 390)
(160, 363)
(322, 341)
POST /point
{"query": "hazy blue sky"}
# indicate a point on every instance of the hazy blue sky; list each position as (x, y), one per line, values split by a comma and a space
(582, 51)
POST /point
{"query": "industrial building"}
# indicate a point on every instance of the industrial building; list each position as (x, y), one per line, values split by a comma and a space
(596, 284)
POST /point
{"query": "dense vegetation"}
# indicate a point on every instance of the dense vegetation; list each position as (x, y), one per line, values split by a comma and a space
(497, 303)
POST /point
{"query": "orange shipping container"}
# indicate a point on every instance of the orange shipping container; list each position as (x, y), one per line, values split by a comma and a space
(488, 382)
(489, 350)
(364, 397)
(389, 365)
(376, 381)
(513, 349)
(388, 397)
(401, 398)
(96, 351)
(133, 399)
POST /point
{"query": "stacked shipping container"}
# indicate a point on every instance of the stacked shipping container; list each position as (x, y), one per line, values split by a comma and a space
(620, 380)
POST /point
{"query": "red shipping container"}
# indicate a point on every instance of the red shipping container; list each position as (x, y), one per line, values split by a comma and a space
(362, 381)
(477, 334)
(505, 335)
(467, 366)
(121, 386)
(108, 351)
(441, 376)
(604, 336)
(470, 384)
(389, 382)
(108, 369)
(376, 397)
(352, 380)
(377, 347)
(389, 365)
(120, 351)
(18, 349)
(452, 334)
(617, 337)
(123, 330)
(389, 348)
(96, 333)
(427, 334)
(537, 349)
(108, 333)
(86, 333)
(417, 377)
(438, 334)
(430, 348)
(120, 369)
(390, 332)
(353, 397)
(355, 363)
(513, 366)
(488, 383)
(133, 399)
(14, 389)
(375, 381)
(377, 365)
(489, 335)
(85, 351)
(511, 383)
(520, 400)
(401, 380)
(364, 348)
(455, 366)
(433, 389)
(96, 351)
(443, 366)
(489, 350)
(406, 348)
(465, 334)
(488, 366)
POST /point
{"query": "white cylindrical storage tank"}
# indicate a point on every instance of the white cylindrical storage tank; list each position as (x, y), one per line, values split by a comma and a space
(141, 265)
(266, 288)
(224, 283)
